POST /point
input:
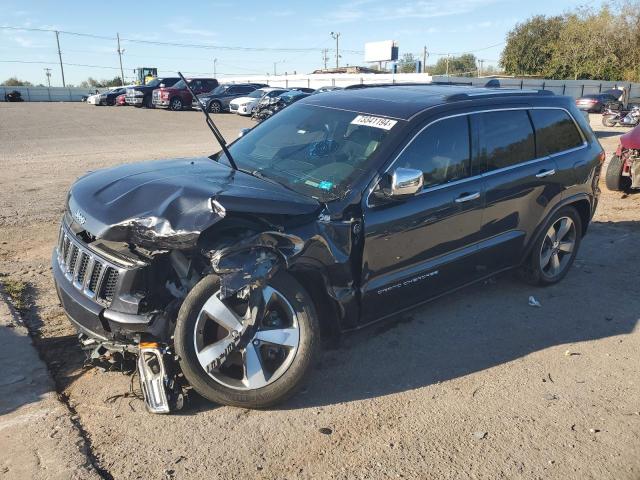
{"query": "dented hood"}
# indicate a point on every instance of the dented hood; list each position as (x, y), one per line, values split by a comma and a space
(167, 204)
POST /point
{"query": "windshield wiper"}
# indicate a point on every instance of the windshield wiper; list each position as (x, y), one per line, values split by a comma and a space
(212, 126)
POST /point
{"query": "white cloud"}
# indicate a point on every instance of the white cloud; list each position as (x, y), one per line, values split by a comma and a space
(377, 10)
(184, 27)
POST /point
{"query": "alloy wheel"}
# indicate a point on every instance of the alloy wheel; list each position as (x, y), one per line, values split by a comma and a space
(215, 107)
(247, 344)
(558, 247)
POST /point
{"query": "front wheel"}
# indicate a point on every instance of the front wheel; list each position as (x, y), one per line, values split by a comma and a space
(175, 104)
(215, 107)
(609, 120)
(251, 352)
(555, 249)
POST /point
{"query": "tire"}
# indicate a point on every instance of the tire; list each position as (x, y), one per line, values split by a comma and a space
(215, 107)
(175, 104)
(533, 271)
(614, 179)
(274, 392)
(608, 120)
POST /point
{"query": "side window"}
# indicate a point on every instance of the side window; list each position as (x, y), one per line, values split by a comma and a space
(232, 91)
(505, 138)
(442, 151)
(195, 85)
(555, 131)
(244, 90)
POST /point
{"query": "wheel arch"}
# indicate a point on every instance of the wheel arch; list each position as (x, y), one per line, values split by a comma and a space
(582, 204)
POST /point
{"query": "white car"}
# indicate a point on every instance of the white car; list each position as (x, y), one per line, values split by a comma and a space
(245, 105)
(93, 99)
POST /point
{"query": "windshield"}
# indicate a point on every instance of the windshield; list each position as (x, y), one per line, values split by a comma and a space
(256, 94)
(179, 85)
(313, 150)
(154, 83)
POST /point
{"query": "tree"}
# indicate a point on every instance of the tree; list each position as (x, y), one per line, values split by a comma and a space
(93, 83)
(16, 82)
(530, 45)
(407, 63)
(463, 66)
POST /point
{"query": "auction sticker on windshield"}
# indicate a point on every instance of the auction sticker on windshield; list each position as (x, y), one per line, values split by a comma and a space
(376, 122)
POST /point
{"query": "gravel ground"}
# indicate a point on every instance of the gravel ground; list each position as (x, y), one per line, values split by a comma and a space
(475, 385)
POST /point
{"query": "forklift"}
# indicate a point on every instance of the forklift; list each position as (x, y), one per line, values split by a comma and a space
(145, 74)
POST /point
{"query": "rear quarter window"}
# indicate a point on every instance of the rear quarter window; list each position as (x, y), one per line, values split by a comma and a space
(555, 131)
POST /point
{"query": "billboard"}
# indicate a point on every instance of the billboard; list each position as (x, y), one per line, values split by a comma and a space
(386, 51)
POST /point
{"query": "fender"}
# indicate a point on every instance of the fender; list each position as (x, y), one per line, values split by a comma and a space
(562, 203)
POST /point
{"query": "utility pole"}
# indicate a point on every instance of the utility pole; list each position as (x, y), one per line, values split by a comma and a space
(274, 67)
(325, 57)
(60, 57)
(120, 52)
(336, 37)
(48, 74)
(215, 60)
(481, 62)
(447, 64)
(425, 55)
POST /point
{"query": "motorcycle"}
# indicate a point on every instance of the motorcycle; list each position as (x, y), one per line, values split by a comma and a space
(626, 118)
(14, 96)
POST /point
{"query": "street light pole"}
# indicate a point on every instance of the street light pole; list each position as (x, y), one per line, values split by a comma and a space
(336, 37)
(215, 60)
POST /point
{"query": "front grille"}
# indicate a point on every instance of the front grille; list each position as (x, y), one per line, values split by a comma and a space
(89, 273)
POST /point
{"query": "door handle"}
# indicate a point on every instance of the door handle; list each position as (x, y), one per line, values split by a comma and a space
(468, 197)
(546, 173)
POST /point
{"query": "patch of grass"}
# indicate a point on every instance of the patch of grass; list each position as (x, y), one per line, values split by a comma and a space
(17, 291)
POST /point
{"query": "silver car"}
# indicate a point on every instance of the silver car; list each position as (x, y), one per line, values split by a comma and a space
(217, 100)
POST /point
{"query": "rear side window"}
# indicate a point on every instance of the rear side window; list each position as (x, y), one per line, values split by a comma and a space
(555, 131)
(505, 139)
(442, 151)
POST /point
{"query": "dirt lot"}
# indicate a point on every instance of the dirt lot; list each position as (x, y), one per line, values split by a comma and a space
(475, 385)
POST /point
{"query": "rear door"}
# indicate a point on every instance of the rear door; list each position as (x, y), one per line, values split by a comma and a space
(520, 184)
(419, 247)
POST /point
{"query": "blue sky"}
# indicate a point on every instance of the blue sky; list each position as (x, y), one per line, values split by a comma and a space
(443, 26)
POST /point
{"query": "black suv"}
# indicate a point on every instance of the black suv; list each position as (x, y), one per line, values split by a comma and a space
(344, 209)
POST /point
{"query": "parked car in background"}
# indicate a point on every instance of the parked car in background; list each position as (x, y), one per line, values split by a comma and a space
(93, 99)
(267, 107)
(178, 96)
(106, 98)
(623, 172)
(120, 100)
(245, 105)
(597, 102)
(140, 95)
(217, 100)
(328, 88)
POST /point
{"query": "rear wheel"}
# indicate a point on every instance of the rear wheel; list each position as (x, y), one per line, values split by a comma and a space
(609, 120)
(175, 104)
(555, 250)
(252, 352)
(614, 179)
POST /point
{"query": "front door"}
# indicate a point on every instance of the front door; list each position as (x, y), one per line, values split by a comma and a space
(421, 246)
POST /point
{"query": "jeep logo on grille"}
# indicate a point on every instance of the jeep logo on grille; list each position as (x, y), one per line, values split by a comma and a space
(79, 217)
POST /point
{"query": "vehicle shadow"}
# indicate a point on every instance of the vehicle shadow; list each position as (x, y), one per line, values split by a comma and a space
(485, 325)
(607, 133)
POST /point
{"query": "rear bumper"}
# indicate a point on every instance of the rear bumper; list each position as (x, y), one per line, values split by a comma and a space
(133, 100)
(158, 102)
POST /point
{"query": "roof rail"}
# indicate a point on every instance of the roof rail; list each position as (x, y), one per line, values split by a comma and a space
(373, 85)
(498, 92)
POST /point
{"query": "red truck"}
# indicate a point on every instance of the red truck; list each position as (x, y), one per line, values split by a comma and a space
(178, 96)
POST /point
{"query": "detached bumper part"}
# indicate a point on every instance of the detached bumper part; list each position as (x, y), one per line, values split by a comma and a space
(158, 388)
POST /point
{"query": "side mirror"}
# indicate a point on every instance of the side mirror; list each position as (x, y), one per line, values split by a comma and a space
(405, 182)
(243, 132)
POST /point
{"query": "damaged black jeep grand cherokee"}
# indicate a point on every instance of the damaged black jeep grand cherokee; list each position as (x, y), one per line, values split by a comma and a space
(345, 208)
